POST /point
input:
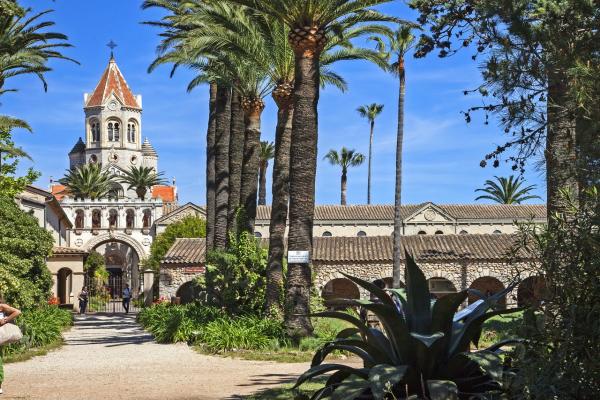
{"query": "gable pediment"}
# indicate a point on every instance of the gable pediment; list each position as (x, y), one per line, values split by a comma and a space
(430, 214)
(187, 210)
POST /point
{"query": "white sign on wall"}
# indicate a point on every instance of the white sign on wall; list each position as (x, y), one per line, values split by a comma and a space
(298, 257)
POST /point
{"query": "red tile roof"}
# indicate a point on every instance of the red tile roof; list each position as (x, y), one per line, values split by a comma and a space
(166, 193)
(56, 250)
(112, 81)
(186, 251)
(59, 191)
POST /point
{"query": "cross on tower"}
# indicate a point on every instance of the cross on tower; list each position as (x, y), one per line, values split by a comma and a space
(112, 46)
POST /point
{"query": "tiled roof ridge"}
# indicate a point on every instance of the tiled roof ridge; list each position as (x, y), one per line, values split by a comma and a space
(103, 89)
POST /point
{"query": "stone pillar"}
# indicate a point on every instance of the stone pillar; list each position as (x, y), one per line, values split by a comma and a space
(76, 285)
(148, 287)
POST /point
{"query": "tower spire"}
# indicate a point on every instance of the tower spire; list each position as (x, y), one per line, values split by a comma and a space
(112, 46)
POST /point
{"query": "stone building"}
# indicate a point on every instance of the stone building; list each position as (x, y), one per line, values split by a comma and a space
(121, 226)
(66, 262)
(485, 262)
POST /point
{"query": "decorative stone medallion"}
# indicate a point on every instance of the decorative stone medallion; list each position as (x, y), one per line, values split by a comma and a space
(79, 242)
(429, 215)
(146, 242)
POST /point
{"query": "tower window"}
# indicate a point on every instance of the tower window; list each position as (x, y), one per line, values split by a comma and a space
(131, 132)
(361, 234)
(95, 128)
(113, 132)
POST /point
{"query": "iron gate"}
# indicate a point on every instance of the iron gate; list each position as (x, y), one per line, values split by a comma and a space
(105, 295)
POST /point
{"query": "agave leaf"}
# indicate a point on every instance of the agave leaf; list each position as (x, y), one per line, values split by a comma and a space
(463, 333)
(400, 294)
(373, 289)
(427, 348)
(346, 333)
(443, 312)
(506, 342)
(394, 326)
(320, 394)
(442, 390)
(490, 362)
(381, 375)
(322, 369)
(369, 335)
(418, 298)
(350, 388)
(469, 376)
(319, 357)
(382, 343)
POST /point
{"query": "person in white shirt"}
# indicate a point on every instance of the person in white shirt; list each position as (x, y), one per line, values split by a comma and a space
(7, 314)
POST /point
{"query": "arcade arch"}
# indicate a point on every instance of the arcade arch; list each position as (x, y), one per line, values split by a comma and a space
(339, 288)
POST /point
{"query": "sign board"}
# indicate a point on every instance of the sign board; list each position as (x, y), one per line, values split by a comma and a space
(298, 257)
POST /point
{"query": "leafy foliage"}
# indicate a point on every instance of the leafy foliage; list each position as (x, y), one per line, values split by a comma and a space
(235, 279)
(507, 191)
(188, 227)
(141, 179)
(95, 266)
(422, 351)
(40, 326)
(345, 158)
(560, 360)
(88, 181)
(9, 157)
(25, 280)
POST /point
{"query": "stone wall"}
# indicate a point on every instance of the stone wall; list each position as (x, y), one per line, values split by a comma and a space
(460, 273)
(173, 276)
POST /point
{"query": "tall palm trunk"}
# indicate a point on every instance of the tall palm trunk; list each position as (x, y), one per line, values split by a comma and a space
(279, 204)
(262, 183)
(210, 168)
(253, 109)
(396, 271)
(236, 155)
(344, 187)
(303, 168)
(561, 149)
(370, 158)
(223, 117)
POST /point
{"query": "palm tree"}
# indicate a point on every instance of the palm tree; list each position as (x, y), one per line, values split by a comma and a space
(25, 48)
(400, 43)
(370, 112)
(88, 181)
(267, 152)
(141, 179)
(345, 159)
(9, 150)
(507, 191)
(311, 24)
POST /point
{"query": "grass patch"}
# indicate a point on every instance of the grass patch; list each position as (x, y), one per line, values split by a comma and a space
(33, 352)
(285, 392)
(500, 327)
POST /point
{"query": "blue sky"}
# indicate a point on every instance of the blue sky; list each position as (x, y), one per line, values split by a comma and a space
(441, 152)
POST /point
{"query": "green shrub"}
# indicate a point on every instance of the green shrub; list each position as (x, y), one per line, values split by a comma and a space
(41, 326)
(241, 333)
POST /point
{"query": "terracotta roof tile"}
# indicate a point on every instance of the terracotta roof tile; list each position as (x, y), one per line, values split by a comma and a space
(164, 192)
(386, 212)
(67, 250)
(423, 247)
(59, 191)
(112, 81)
(186, 251)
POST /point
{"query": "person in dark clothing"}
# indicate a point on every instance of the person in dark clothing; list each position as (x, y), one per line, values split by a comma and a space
(83, 300)
(126, 298)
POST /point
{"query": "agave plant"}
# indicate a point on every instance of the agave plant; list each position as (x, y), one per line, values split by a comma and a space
(422, 351)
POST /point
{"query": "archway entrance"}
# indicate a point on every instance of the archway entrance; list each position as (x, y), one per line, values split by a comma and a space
(440, 287)
(339, 289)
(64, 282)
(488, 286)
(122, 279)
(189, 292)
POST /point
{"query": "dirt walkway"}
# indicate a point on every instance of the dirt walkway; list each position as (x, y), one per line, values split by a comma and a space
(110, 357)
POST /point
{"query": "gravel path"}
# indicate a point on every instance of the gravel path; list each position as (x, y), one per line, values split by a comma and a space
(111, 357)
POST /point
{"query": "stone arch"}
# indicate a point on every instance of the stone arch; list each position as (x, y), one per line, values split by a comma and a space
(488, 285)
(440, 287)
(64, 285)
(117, 237)
(531, 291)
(339, 288)
(188, 292)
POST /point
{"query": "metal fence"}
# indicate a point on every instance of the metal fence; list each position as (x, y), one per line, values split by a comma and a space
(106, 296)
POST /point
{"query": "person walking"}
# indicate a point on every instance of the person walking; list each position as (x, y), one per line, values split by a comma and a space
(83, 300)
(126, 298)
(7, 314)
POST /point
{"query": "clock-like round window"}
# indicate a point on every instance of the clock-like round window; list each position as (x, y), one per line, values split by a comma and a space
(133, 160)
(113, 157)
(93, 159)
(429, 215)
(112, 106)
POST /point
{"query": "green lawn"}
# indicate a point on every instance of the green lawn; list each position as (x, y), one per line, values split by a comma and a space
(285, 392)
